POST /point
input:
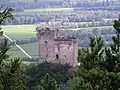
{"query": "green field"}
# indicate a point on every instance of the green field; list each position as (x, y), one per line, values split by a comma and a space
(44, 10)
(15, 52)
(31, 49)
(90, 28)
(20, 32)
(49, 9)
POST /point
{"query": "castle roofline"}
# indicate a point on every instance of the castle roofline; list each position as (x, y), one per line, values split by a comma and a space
(52, 26)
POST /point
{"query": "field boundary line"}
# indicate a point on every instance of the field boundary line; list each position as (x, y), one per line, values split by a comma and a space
(17, 46)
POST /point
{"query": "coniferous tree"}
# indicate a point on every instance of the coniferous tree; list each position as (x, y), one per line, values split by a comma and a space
(92, 56)
(11, 74)
(112, 63)
(99, 67)
(48, 83)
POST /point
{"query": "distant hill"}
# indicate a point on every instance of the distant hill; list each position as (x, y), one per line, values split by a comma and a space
(20, 5)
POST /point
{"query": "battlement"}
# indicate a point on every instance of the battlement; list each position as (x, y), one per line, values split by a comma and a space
(45, 31)
(46, 27)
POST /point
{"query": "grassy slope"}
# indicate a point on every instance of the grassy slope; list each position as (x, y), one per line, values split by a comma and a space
(16, 32)
(31, 49)
(19, 31)
(15, 52)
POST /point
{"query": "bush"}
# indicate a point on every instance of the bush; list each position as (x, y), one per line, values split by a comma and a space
(57, 71)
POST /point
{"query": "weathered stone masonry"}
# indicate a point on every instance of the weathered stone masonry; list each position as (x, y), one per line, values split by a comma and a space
(51, 45)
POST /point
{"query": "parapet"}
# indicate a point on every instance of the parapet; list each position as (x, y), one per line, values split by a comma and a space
(45, 26)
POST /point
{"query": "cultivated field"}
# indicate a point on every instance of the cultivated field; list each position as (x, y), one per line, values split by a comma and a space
(19, 32)
(49, 10)
(31, 49)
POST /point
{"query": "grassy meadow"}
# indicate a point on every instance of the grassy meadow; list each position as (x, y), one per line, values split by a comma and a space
(19, 32)
(49, 9)
(31, 49)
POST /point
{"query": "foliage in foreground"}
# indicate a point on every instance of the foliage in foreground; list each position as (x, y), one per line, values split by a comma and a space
(11, 74)
(57, 71)
(47, 83)
(100, 67)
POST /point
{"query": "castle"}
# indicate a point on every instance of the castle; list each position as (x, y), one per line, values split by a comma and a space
(54, 47)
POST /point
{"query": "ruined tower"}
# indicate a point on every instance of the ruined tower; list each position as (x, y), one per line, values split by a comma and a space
(56, 48)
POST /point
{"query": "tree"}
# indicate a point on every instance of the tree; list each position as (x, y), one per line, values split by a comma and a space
(5, 14)
(112, 62)
(57, 71)
(48, 83)
(92, 56)
(100, 67)
(11, 74)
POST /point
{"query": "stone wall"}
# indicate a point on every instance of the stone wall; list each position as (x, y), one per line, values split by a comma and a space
(61, 49)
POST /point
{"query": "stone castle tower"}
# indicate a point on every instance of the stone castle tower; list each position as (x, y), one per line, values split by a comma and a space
(54, 47)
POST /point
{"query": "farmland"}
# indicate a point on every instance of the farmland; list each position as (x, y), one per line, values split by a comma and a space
(21, 32)
(31, 49)
(16, 32)
(49, 10)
